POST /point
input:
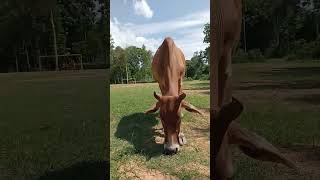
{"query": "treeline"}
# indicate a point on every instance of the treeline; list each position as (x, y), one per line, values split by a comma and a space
(281, 29)
(284, 29)
(132, 63)
(288, 29)
(33, 28)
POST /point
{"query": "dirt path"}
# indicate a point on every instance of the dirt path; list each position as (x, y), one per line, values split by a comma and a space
(134, 171)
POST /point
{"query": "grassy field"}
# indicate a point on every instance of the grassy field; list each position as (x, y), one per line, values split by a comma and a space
(282, 102)
(53, 125)
(133, 148)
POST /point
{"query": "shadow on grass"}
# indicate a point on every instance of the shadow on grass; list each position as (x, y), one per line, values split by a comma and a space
(80, 171)
(137, 129)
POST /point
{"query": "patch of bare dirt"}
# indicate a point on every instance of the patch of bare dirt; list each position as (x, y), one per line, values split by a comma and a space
(203, 170)
(134, 171)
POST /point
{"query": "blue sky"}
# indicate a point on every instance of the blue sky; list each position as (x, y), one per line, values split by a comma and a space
(148, 22)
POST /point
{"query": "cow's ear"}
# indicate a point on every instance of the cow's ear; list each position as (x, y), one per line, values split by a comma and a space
(153, 108)
(189, 107)
(181, 97)
(158, 97)
(256, 146)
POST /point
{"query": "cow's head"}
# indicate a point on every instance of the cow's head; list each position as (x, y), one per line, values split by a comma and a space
(170, 115)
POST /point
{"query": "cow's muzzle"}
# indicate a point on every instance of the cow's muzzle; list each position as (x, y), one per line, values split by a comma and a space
(172, 149)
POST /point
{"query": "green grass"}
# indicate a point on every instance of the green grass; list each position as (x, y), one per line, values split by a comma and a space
(53, 125)
(132, 136)
(285, 111)
(282, 102)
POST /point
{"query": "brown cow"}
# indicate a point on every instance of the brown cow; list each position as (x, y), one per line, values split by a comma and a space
(168, 68)
(229, 18)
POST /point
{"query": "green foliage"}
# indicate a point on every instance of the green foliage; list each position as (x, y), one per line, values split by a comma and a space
(240, 57)
(204, 77)
(255, 55)
(206, 33)
(188, 79)
(25, 25)
(137, 61)
(272, 26)
(198, 65)
(301, 49)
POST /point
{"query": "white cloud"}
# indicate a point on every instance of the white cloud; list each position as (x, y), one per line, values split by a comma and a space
(186, 31)
(191, 42)
(125, 37)
(141, 7)
(191, 20)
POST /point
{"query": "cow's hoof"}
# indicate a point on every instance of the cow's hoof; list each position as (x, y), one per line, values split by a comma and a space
(182, 139)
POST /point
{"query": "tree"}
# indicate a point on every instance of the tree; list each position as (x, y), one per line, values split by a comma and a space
(138, 60)
(118, 65)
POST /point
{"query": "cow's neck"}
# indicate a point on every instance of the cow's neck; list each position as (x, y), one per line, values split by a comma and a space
(169, 88)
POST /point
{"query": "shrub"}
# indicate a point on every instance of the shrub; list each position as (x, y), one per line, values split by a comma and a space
(255, 55)
(305, 50)
(188, 79)
(204, 77)
(240, 57)
(290, 57)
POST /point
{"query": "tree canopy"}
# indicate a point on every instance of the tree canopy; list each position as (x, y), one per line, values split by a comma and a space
(27, 32)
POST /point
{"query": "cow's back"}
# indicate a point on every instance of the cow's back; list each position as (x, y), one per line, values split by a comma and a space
(168, 67)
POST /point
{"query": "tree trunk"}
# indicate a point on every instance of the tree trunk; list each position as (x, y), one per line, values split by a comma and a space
(81, 63)
(17, 65)
(277, 31)
(38, 52)
(317, 26)
(244, 29)
(28, 61)
(127, 74)
(54, 41)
